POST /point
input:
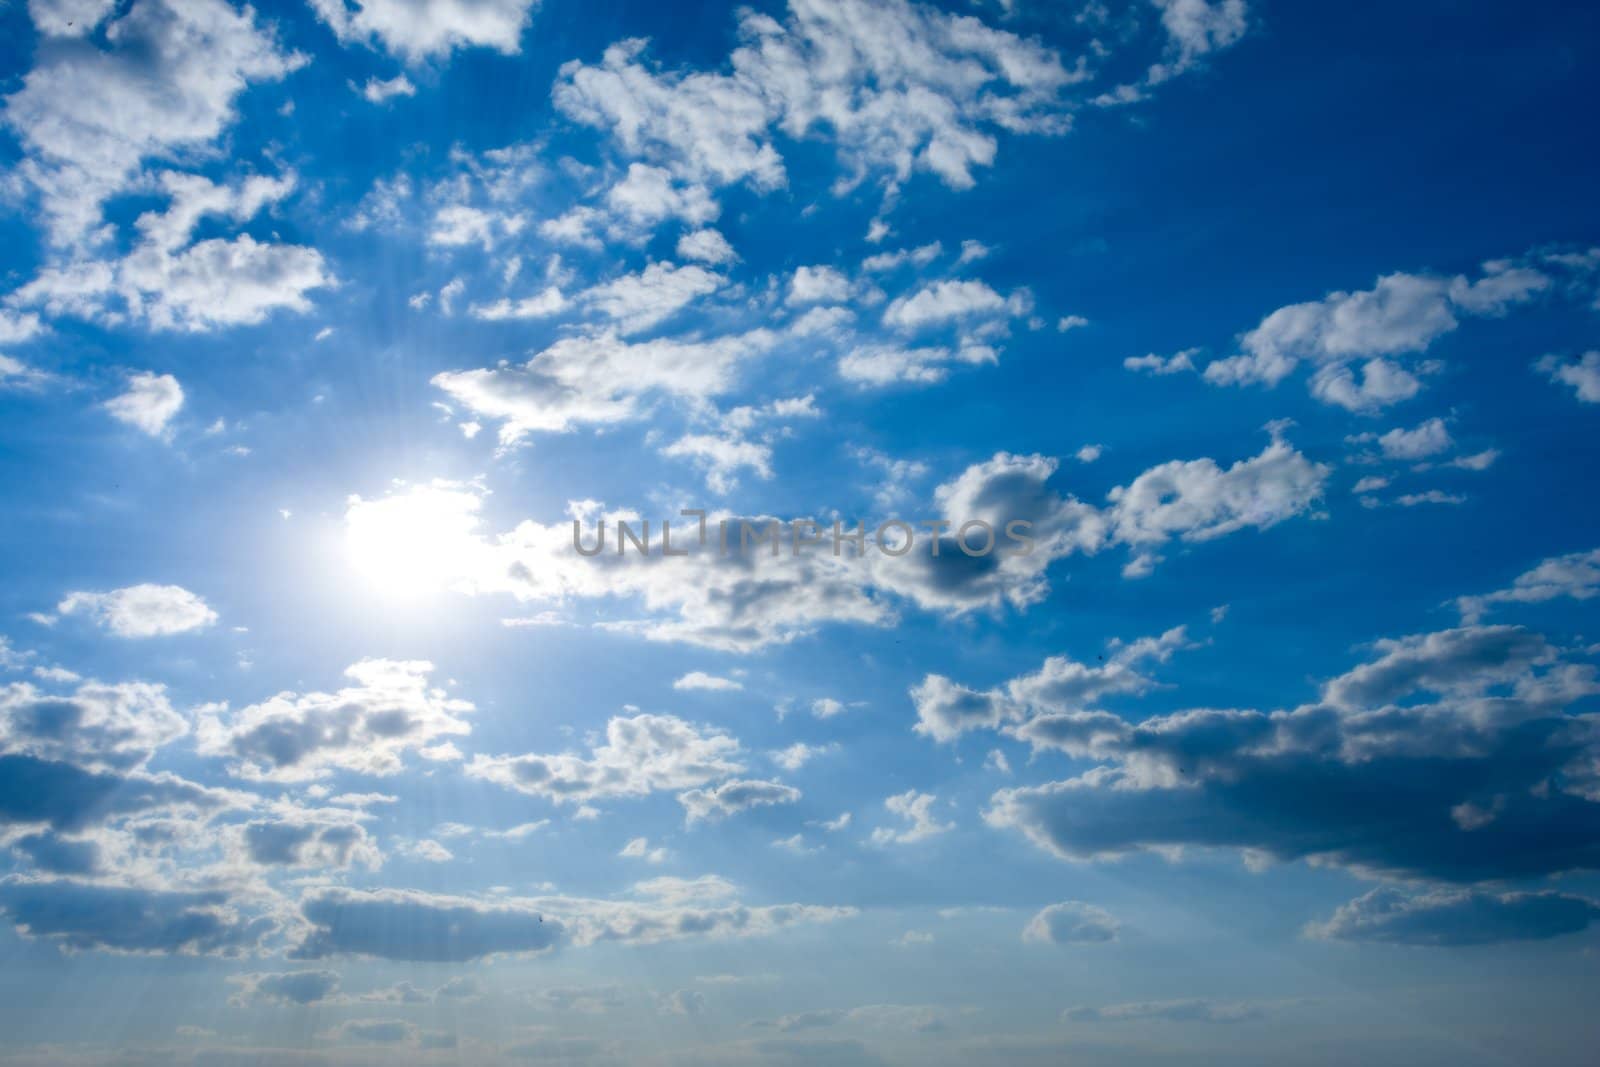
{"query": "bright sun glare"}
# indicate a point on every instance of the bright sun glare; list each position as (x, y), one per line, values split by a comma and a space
(414, 543)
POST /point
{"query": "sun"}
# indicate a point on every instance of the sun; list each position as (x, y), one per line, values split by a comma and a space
(416, 542)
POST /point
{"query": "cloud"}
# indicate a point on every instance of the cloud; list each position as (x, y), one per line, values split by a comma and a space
(917, 810)
(1061, 687)
(1160, 366)
(702, 680)
(1449, 917)
(1196, 28)
(84, 916)
(947, 301)
(1071, 922)
(1575, 575)
(416, 30)
(283, 987)
(642, 754)
(599, 379)
(1400, 316)
(706, 246)
(896, 87)
(366, 727)
(149, 404)
(172, 282)
(1449, 756)
(640, 301)
(160, 81)
(376, 91)
(639, 849)
(817, 285)
(735, 795)
(1582, 374)
(721, 458)
(1183, 1011)
(36, 791)
(422, 927)
(142, 610)
(100, 726)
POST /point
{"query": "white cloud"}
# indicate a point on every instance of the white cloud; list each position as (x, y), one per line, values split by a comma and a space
(1197, 28)
(98, 726)
(639, 301)
(639, 849)
(896, 87)
(423, 29)
(722, 458)
(642, 754)
(1576, 575)
(1071, 922)
(88, 115)
(702, 680)
(799, 754)
(1582, 374)
(376, 91)
(1426, 439)
(149, 403)
(366, 727)
(142, 610)
(1162, 365)
(173, 284)
(706, 246)
(817, 285)
(948, 301)
(917, 810)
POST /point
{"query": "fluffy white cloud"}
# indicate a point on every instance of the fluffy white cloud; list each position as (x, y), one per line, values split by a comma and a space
(706, 246)
(366, 727)
(150, 402)
(422, 29)
(164, 82)
(722, 458)
(817, 285)
(886, 364)
(702, 680)
(1162, 365)
(376, 91)
(639, 301)
(173, 284)
(142, 610)
(1401, 315)
(896, 87)
(1196, 28)
(947, 301)
(917, 811)
(1582, 374)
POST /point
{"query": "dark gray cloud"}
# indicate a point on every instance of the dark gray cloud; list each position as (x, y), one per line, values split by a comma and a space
(401, 925)
(70, 798)
(1494, 779)
(1457, 917)
(81, 915)
(287, 987)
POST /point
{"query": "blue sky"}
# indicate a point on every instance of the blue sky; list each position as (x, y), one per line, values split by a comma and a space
(321, 322)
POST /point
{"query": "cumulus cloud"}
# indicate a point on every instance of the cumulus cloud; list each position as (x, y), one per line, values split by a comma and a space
(1357, 340)
(164, 81)
(100, 726)
(1071, 922)
(702, 680)
(706, 246)
(639, 301)
(1581, 374)
(172, 282)
(142, 610)
(417, 30)
(366, 727)
(149, 403)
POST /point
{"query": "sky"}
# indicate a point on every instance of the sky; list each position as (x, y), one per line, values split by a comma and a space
(1269, 736)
